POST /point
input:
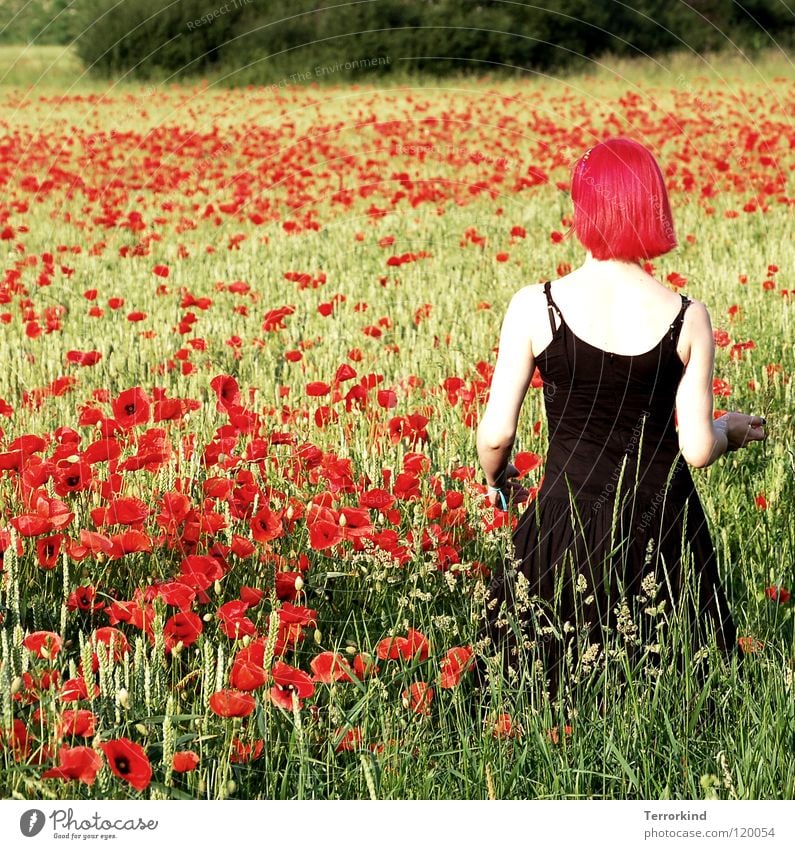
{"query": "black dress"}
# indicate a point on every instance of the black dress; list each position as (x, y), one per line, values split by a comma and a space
(616, 541)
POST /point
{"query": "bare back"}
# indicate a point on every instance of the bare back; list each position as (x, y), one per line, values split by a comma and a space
(623, 312)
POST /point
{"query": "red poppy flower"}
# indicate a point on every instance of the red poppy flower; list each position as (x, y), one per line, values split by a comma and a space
(292, 614)
(18, 740)
(131, 408)
(49, 514)
(348, 740)
(48, 549)
(228, 703)
(35, 684)
(251, 596)
(77, 723)
(289, 680)
(386, 398)
(317, 389)
(553, 735)
(779, 594)
(113, 638)
(288, 585)
(455, 663)
(124, 510)
(329, 666)
(324, 534)
(44, 644)
(176, 594)
(503, 726)
(242, 753)
(185, 761)
(526, 461)
(85, 599)
(266, 525)
(136, 612)
(750, 644)
(418, 697)
(200, 571)
(128, 542)
(83, 358)
(128, 761)
(413, 646)
(182, 628)
(234, 623)
(248, 670)
(227, 392)
(77, 689)
(79, 763)
(365, 666)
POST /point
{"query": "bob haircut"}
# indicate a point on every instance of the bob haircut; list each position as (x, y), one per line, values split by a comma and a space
(621, 207)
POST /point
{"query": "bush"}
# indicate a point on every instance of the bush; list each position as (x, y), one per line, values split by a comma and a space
(147, 38)
(37, 21)
(265, 41)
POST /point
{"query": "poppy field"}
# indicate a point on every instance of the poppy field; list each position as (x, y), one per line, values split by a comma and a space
(246, 336)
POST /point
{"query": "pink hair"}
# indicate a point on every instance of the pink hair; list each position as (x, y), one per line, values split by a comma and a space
(621, 207)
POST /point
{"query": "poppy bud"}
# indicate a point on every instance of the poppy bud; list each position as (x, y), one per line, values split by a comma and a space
(16, 685)
(123, 698)
(343, 520)
(289, 512)
(217, 587)
(318, 636)
(299, 583)
(141, 729)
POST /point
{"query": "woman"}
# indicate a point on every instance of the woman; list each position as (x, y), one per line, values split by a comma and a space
(617, 526)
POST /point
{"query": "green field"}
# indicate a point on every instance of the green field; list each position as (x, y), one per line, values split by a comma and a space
(199, 208)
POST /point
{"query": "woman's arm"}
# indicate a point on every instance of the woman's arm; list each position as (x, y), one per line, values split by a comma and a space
(703, 440)
(512, 374)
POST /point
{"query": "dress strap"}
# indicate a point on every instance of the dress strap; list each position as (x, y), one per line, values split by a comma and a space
(551, 305)
(676, 325)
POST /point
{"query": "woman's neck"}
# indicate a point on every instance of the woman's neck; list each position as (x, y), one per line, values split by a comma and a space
(614, 269)
(630, 265)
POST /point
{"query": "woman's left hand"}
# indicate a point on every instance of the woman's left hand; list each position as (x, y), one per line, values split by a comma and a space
(512, 490)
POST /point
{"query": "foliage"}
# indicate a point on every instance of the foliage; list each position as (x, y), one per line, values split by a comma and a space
(262, 41)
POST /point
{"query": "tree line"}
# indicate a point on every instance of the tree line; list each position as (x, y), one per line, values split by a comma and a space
(268, 41)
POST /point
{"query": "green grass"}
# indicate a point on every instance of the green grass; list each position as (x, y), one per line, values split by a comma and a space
(654, 736)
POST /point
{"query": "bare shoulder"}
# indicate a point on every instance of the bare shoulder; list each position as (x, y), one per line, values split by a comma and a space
(529, 307)
(529, 295)
(696, 316)
(696, 329)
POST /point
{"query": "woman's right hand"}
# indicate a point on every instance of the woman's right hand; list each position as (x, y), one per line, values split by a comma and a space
(741, 429)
